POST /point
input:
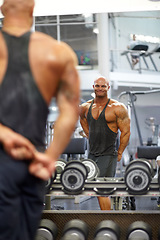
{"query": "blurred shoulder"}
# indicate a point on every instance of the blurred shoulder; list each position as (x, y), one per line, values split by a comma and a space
(86, 104)
(61, 49)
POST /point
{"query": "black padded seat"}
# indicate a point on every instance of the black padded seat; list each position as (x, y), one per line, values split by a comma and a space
(76, 146)
(148, 152)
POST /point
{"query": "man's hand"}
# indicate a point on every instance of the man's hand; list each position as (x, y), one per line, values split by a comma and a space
(119, 157)
(15, 144)
(42, 166)
(21, 148)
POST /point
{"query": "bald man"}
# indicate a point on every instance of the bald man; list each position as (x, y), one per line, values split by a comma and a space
(34, 69)
(101, 118)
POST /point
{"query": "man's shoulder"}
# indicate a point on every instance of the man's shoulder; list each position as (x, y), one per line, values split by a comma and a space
(84, 107)
(60, 49)
(39, 36)
(86, 104)
(117, 105)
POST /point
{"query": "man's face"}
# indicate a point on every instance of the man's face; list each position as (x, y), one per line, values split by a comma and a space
(101, 87)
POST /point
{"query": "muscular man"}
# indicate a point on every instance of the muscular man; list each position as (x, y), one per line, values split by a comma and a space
(33, 68)
(101, 118)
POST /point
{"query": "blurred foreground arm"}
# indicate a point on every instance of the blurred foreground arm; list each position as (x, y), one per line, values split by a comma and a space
(68, 104)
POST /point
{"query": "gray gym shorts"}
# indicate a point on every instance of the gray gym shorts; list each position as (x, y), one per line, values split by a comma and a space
(107, 164)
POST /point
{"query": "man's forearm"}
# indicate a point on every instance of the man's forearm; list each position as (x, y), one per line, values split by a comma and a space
(63, 131)
(3, 131)
(124, 140)
(84, 125)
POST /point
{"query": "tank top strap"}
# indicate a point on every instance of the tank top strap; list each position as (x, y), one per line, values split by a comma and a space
(106, 105)
(91, 103)
(91, 106)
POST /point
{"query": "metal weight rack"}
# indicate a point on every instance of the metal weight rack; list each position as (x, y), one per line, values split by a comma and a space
(114, 187)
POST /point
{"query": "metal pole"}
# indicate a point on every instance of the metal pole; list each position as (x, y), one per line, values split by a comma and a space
(58, 29)
(136, 119)
(103, 46)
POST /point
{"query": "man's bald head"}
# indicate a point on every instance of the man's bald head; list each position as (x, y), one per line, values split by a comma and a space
(102, 79)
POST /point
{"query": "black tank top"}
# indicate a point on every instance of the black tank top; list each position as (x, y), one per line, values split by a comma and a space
(101, 138)
(22, 107)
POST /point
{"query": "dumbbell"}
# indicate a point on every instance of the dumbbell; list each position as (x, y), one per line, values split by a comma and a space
(138, 176)
(158, 166)
(92, 168)
(159, 234)
(107, 230)
(73, 177)
(75, 230)
(60, 165)
(49, 182)
(47, 230)
(139, 230)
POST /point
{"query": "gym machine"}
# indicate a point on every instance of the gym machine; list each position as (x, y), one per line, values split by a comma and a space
(131, 97)
(149, 54)
(140, 49)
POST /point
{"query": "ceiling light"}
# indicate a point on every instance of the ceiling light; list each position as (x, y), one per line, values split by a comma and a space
(95, 30)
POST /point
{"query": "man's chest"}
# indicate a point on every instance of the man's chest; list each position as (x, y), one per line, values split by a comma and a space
(99, 111)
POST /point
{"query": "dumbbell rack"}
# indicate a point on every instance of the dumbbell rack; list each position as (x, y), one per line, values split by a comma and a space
(113, 187)
(93, 218)
(117, 190)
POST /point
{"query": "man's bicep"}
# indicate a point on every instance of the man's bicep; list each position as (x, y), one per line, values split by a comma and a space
(70, 84)
(123, 120)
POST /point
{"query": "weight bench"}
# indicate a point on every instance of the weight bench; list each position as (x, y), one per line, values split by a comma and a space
(76, 146)
(148, 152)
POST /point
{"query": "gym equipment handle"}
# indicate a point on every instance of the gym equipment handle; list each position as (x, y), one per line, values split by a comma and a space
(105, 191)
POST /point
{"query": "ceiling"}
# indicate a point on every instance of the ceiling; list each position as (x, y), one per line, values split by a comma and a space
(50, 7)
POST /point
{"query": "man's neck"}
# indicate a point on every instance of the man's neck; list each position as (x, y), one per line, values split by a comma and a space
(101, 100)
(16, 26)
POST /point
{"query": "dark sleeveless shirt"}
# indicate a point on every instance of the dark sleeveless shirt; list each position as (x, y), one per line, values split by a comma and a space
(22, 107)
(102, 139)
